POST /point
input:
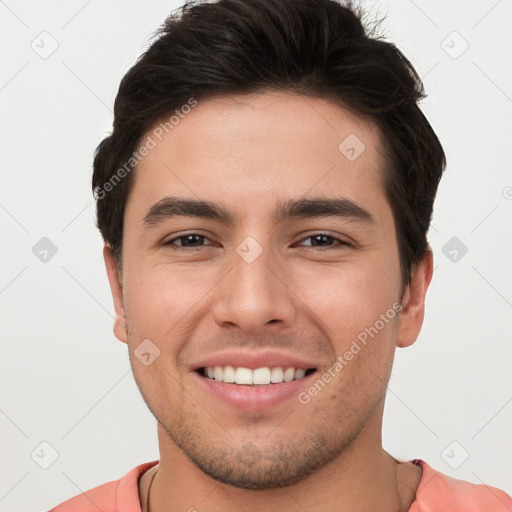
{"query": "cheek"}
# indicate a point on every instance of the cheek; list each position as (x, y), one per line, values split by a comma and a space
(158, 306)
(356, 382)
(358, 307)
(351, 297)
(160, 297)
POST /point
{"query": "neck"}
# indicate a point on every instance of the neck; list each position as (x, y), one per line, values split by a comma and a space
(364, 477)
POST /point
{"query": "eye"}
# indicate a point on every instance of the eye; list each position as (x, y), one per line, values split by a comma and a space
(190, 240)
(321, 239)
(195, 241)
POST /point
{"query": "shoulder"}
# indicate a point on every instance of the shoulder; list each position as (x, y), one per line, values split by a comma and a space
(440, 492)
(102, 497)
(113, 496)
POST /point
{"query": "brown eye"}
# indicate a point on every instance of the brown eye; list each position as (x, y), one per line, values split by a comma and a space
(190, 240)
(324, 240)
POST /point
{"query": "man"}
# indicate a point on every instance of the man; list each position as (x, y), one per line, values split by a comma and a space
(264, 200)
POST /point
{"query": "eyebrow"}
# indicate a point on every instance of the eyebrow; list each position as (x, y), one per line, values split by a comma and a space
(314, 207)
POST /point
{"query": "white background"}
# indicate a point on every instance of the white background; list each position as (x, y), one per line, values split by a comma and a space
(65, 379)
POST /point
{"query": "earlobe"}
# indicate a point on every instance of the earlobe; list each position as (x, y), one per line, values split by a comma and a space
(116, 289)
(413, 302)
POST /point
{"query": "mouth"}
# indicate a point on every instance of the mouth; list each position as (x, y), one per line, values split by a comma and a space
(257, 389)
(257, 380)
(258, 377)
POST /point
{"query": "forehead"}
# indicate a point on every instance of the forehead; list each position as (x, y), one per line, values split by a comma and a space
(245, 152)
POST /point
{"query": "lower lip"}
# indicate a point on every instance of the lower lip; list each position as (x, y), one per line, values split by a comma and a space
(254, 398)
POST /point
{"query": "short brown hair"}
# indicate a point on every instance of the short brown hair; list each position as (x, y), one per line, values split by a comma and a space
(319, 48)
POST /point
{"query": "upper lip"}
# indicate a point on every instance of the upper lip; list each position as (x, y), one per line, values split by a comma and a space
(255, 359)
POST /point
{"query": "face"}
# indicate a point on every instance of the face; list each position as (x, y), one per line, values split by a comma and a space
(291, 262)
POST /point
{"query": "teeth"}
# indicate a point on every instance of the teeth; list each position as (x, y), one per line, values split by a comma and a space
(242, 375)
(289, 374)
(217, 373)
(229, 374)
(276, 375)
(299, 373)
(259, 376)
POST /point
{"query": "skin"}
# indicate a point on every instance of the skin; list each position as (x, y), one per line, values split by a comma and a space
(246, 153)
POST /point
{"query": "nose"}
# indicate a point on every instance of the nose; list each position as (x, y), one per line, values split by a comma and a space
(255, 295)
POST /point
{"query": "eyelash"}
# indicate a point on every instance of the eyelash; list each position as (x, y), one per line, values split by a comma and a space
(187, 249)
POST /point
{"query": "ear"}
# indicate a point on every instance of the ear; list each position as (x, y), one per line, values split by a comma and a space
(413, 302)
(117, 294)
